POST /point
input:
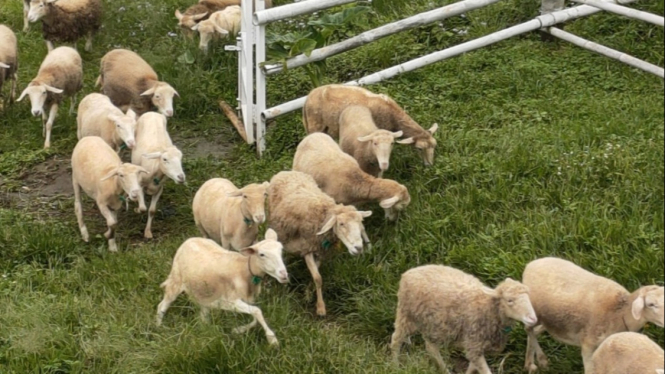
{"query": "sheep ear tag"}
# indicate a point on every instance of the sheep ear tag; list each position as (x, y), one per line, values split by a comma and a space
(256, 280)
(326, 244)
(507, 330)
(248, 221)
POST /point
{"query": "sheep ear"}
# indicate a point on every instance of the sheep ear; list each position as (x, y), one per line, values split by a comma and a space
(265, 184)
(660, 371)
(149, 92)
(131, 113)
(398, 134)
(271, 235)
(53, 89)
(178, 15)
(489, 291)
(328, 225)
(406, 141)
(248, 251)
(365, 138)
(143, 171)
(234, 194)
(365, 213)
(196, 27)
(433, 129)
(199, 16)
(176, 93)
(388, 203)
(110, 175)
(25, 92)
(221, 30)
(3, 65)
(638, 307)
(151, 156)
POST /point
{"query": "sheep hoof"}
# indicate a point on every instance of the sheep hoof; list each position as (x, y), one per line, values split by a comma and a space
(321, 311)
(531, 368)
(543, 363)
(272, 340)
(147, 234)
(85, 235)
(241, 330)
(112, 246)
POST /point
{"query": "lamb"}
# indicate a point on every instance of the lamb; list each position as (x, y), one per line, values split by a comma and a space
(97, 116)
(66, 21)
(201, 11)
(580, 308)
(214, 277)
(98, 170)
(628, 353)
(325, 104)
(359, 137)
(60, 75)
(228, 215)
(220, 23)
(448, 306)
(340, 176)
(310, 222)
(155, 152)
(8, 60)
(129, 81)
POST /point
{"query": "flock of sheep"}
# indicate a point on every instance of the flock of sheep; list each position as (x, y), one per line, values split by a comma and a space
(312, 207)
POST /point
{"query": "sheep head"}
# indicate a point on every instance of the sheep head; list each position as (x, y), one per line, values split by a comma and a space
(394, 204)
(125, 127)
(381, 143)
(424, 143)
(162, 97)
(514, 301)
(170, 163)
(269, 256)
(38, 93)
(648, 305)
(253, 201)
(347, 224)
(39, 9)
(128, 178)
(207, 30)
(187, 21)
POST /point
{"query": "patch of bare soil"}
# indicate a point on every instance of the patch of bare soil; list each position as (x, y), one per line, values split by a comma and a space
(201, 147)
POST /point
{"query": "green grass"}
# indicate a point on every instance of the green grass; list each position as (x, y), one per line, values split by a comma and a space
(544, 149)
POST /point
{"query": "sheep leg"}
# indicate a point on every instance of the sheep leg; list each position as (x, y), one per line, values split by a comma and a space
(49, 45)
(242, 307)
(44, 117)
(205, 314)
(79, 211)
(402, 333)
(88, 42)
(49, 124)
(72, 104)
(245, 328)
(111, 221)
(170, 294)
(313, 268)
(12, 94)
(587, 353)
(435, 352)
(226, 243)
(151, 212)
(534, 351)
(478, 364)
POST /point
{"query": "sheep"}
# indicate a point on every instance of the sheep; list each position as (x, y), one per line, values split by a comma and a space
(98, 170)
(220, 23)
(228, 215)
(310, 222)
(359, 137)
(448, 306)
(97, 116)
(340, 176)
(325, 104)
(214, 277)
(60, 75)
(8, 60)
(201, 11)
(66, 21)
(129, 81)
(628, 353)
(580, 308)
(155, 152)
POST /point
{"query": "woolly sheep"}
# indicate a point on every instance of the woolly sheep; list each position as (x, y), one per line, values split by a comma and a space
(59, 75)
(201, 11)
(310, 222)
(360, 138)
(155, 152)
(98, 170)
(8, 60)
(448, 306)
(229, 215)
(66, 21)
(340, 176)
(325, 104)
(628, 353)
(214, 277)
(97, 116)
(580, 308)
(220, 23)
(129, 81)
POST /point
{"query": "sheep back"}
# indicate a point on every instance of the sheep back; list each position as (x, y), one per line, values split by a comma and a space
(69, 20)
(125, 75)
(628, 353)
(62, 68)
(8, 53)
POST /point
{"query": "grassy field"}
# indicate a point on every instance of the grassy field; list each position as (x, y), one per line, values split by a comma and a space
(544, 149)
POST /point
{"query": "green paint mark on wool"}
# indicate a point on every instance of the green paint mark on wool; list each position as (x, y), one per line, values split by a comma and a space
(326, 244)
(256, 280)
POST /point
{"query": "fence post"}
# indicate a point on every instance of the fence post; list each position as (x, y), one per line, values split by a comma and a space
(260, 34)
(246, 69)
(550, 6)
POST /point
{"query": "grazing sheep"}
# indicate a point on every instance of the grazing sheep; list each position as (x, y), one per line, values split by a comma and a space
(214, 277)
(8, 60)
(448, 306)
(359, 137)
(129, 81)
(310, 222)
(98, 170)
(325, 104)
(220, 23)
(66, 21)
(59, 75)
(228, 215)
(580, 308)
(155, 152)
(628, 353)
(201, 11)
(339, 176)
(97, 116)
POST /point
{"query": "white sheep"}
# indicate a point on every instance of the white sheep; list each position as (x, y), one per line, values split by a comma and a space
(229, 215)
(60, 75)
(155, 152)
(129, 81)
(360, 138)
(214, 277)
(98, 170)
(340, 176)
(628, 353)
(325, 104)
(580, 308)
(448, 306)
(201, 11)
(220, 24)
(97, 116)
(310, 222)
(8, 60)
(66, 21)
